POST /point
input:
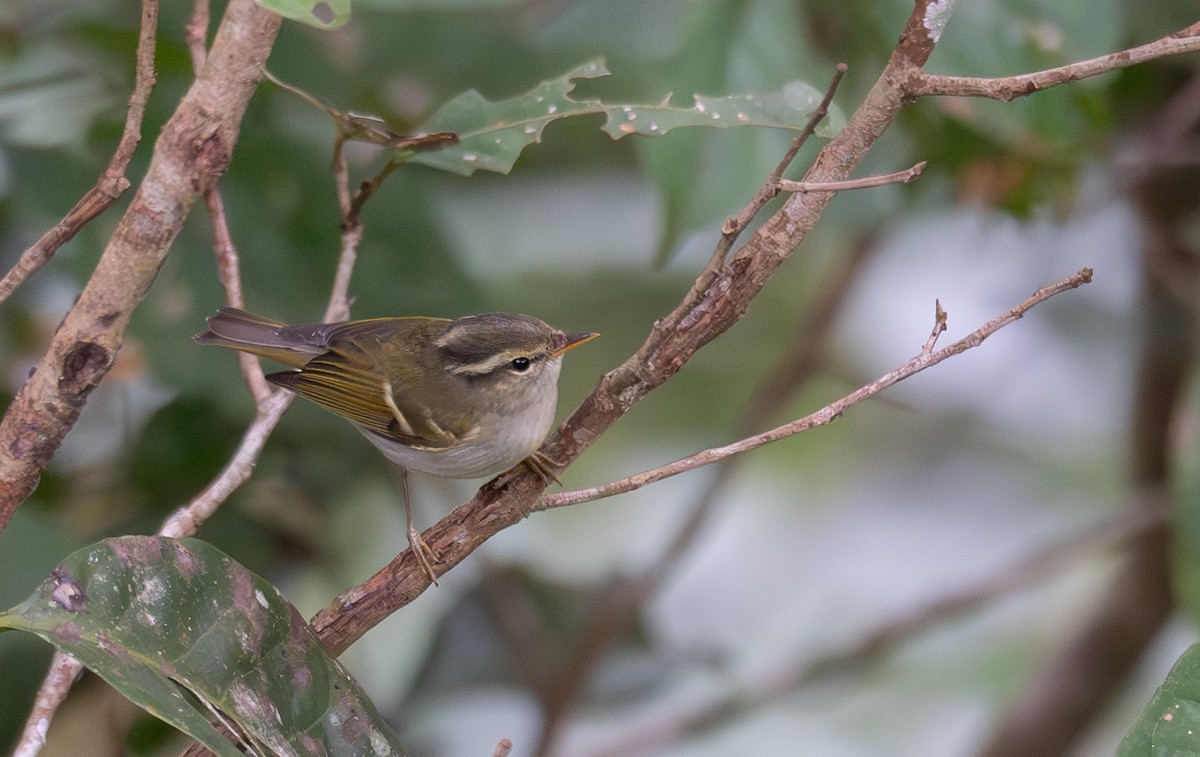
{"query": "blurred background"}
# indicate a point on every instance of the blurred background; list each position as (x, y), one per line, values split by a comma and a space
(807, 613)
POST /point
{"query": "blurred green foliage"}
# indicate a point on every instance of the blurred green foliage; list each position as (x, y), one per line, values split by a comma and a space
(587, 233)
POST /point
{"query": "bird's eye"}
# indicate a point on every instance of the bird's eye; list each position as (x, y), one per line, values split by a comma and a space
(520, 364)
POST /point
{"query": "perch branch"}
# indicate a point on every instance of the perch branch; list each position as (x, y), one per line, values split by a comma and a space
(719, 297)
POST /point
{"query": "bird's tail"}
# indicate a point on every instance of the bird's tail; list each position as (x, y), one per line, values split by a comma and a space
(238, 330)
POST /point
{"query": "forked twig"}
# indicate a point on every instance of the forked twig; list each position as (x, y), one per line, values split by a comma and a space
(735, 225)
(826, 415)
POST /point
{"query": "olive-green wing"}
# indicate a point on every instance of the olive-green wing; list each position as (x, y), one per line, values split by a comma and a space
(347, 381)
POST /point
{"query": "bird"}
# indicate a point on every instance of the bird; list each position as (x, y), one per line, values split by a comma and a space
(467, 397)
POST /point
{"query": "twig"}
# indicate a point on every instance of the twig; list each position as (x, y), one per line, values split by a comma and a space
(826, 415)
(735, 225)
(906, 176)
(112, 183)
(228, 262)
(338, 308)
(195, 33)
(369, 187)
(61, 674)
(186, 520)
(230, 275)
(922, 84)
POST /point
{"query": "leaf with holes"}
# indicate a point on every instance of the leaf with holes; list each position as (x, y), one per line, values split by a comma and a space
(492, 134)
(193, 637)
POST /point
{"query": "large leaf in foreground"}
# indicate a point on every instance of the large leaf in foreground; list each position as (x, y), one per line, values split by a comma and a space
(492, 134)
(183, 630)
(1170, 724)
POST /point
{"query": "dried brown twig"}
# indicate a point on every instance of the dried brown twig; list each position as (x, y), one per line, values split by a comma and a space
(906, 176)
(926, 358)
(922, 84)
(112, 183)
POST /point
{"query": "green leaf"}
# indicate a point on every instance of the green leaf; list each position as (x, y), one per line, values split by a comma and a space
(1170, 724)
(790, 108)
(323, 14)
(183, 630)
(492, 134)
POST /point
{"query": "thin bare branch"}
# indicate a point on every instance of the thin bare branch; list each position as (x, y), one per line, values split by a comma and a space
(186, 520)
(230, 274)
(369, 187)
(906, 176)
(195, 33)
(826, 415)
(112, 183)
(735, 225)
(62, 673)
(922, 84)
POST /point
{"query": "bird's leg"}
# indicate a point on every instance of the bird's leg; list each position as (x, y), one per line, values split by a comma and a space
(540, 464)
(544, 466)
(418, 546)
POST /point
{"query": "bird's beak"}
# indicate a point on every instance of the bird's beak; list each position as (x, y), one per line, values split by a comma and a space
(573, 341)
